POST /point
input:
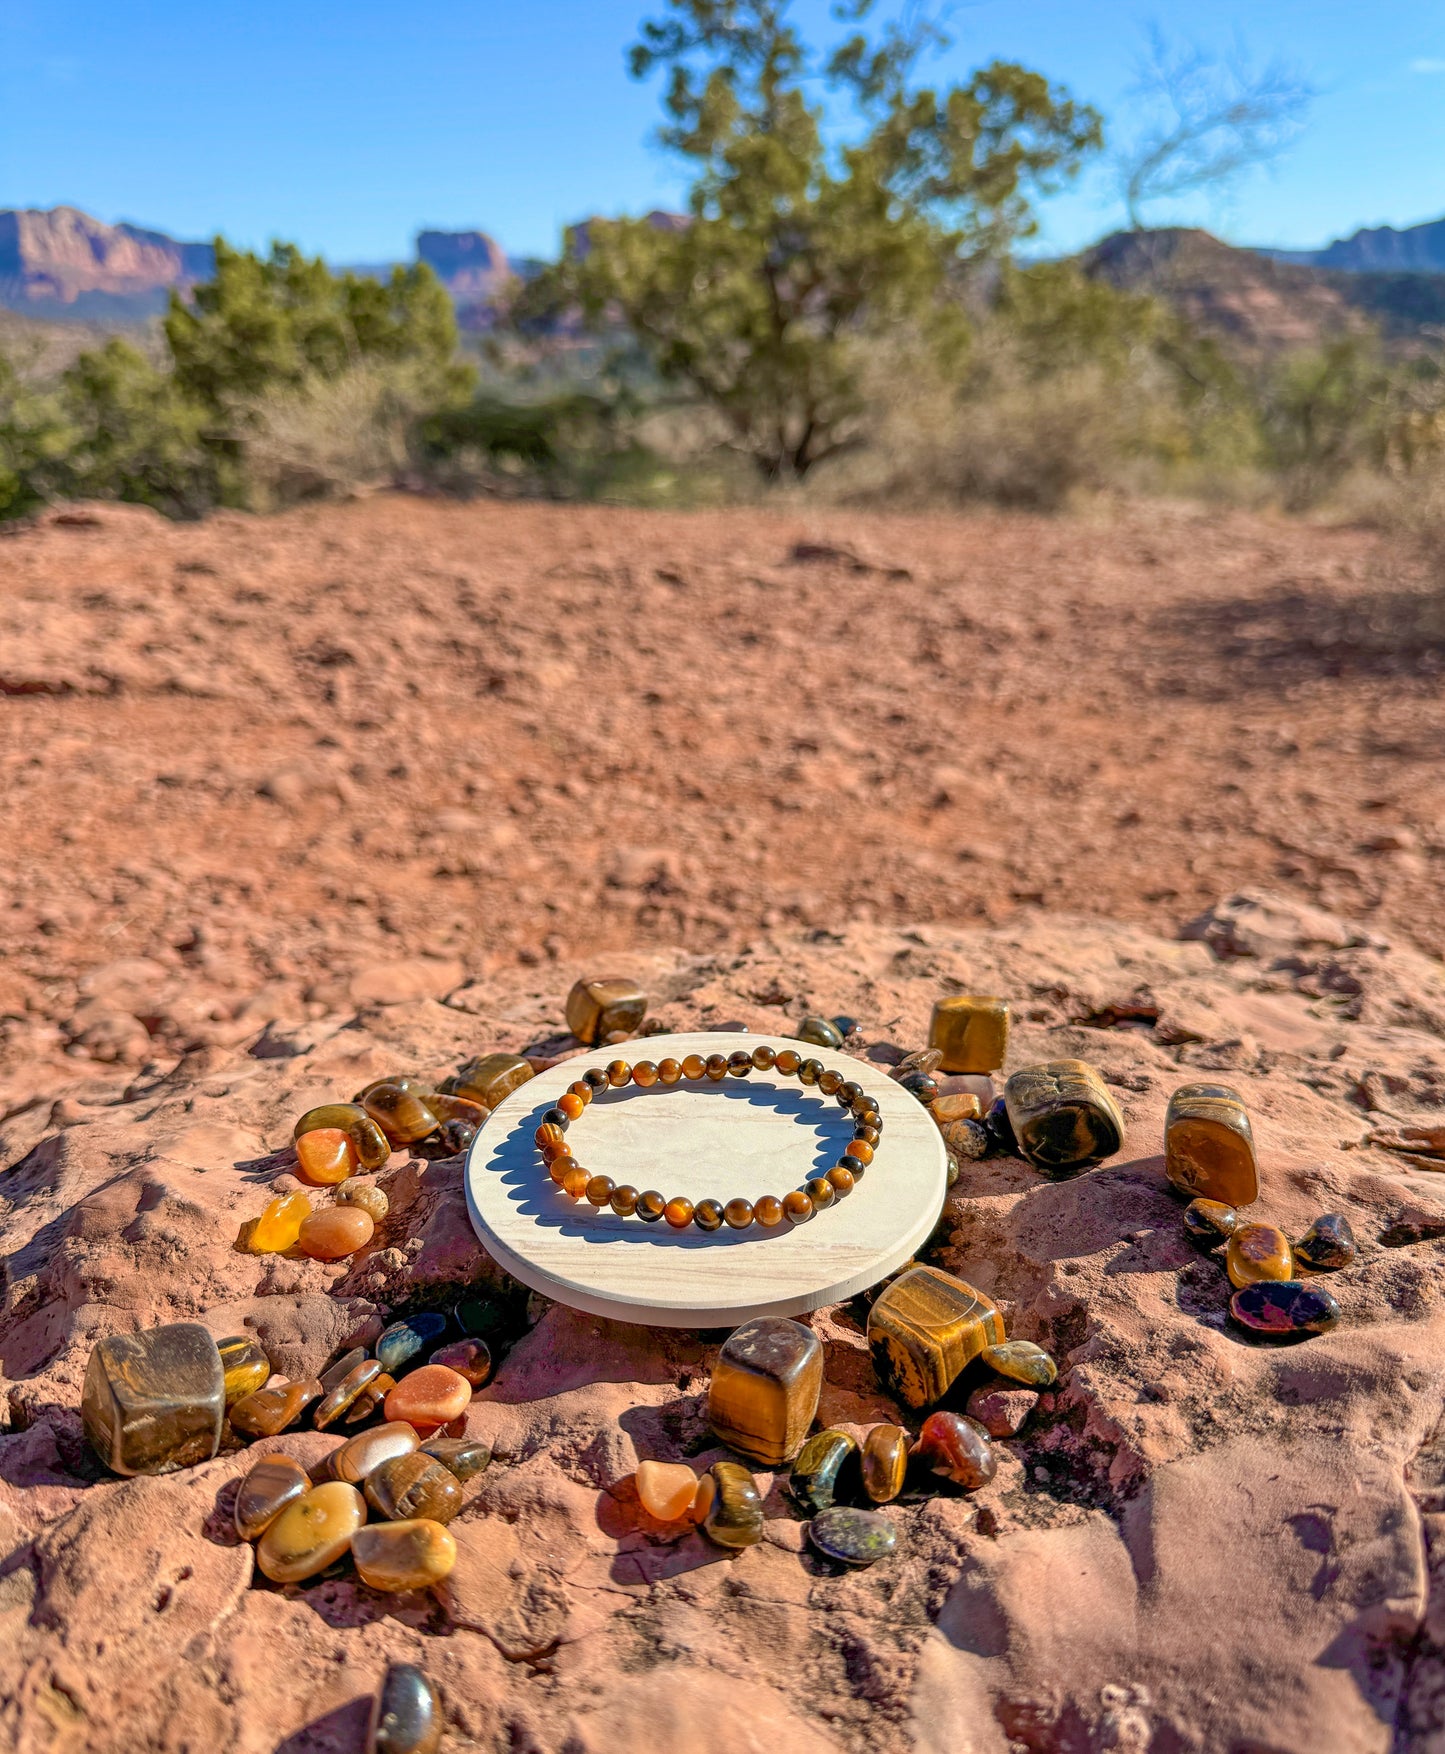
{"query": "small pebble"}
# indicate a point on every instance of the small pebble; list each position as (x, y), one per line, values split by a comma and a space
(729, 1506)
(1258, 1251)
(403, 1340)
(666, 1489)
(406, 1717)
(1023, 1361)
(336, 1402)
(413, 1485)
(325, 1157)
(957, 1450)
(279, 1225)
(403, 1556)
(464, 1456)
(1210, 1222)
(362, 1455)
(883, 1464)
(962, 1107)
(469, 1358)
(245, 1365)
(827, 1465)
(1000, 1129)
(271, 1485)
(820, 1032)
(311, 1532)
(370, 1398)
(1327, 1245)
(429, 1397)
(852, 1537)
(336, 1232)
(367, 1195)
(1282, 1308)
(343, 1367)
(274, 1408)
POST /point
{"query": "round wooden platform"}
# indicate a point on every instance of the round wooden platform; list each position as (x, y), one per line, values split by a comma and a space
(762, 1134)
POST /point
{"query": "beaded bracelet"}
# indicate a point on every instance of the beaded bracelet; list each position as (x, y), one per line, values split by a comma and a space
(797, 1207)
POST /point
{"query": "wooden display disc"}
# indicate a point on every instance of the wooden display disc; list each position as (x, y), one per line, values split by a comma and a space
(763, 1134)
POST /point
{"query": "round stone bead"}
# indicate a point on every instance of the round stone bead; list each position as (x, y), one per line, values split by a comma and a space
(666, 1490)
(763, 1057)
(852, 1537)
(575, 1182)
(624, 1200)
(678, 1212)
(550, 1134)
(740, 1064)
(956, 1448)
(669, 1071)
(841, 1180)
(884, 1462)
(595, 1078)
(861, 1150)
(865, 1115)
(365, 1194)
(413, 1484)
(849, 1092)
(271, 1485)
(868, 1136)
(557, 1117)
(708, 1215)
(717, 1067)
(334, 1233)
(797, 1207)
(406, 1716)
(599, 1190)
(1284, 1309)
(470, 1358)
(1258, 1251)
(788, 1062)
(768, 1211)
(364, 1454)
(644, 1073)
(325, 1156)
(729, 1506)
(1327, 1245)
(429, 1397)
(618, 1073)
(403, 1555)
(561, 1167)
(570, 1105)
(821, 1192)
(650, 1206)
(857, 1167)
(830, 1082)
(581, 1089)
(408, 1338)
(311, 1533)
(738, 1213)
(694, 1066)
(810, 1071)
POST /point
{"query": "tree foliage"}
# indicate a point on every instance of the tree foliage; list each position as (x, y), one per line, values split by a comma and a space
(801, 244)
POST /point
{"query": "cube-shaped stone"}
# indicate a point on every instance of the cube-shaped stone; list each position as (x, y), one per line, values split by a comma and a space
(595, 1009)
(765, 1388)
(1209, 1145)
(970, 1030)
(489, 1078)
(154, 1401)
(1064, 1119)
(925, 1329)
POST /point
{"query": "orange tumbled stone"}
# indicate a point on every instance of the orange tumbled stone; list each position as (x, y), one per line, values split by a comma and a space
(666, 1489)
(429, 1397)
(325, 1156)
(335, 1233)
(279, 1225)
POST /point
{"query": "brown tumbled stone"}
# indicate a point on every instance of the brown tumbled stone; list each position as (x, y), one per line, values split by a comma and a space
(1064, 1120)
(970, 1031)
(599, 1008)
(1209, 1145)
(336, 1402)
(154, 1401)
(469, 1358)
(363, 1454)
(311, 1533)
(409, 1555)
(271, 1485)
(463, 1456)
(274, 1408)
(925, 1328)
(245, 1366)
(884, 1462)
(413, 1485)
(406, 1717)
(765, 1387)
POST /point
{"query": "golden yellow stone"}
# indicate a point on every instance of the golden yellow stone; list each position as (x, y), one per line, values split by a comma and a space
(598, 1009)
(1064, 1119)
(397, 1107)
(970, 1030)
(311, 1533)
(1209, 1145)
(403, 1556)
(279, 1225)
(963, 1106)
(490, 1078)
(884, 1462)
(925, 1329)
(245, 1365)
(765, 1387)
(1258, 1251)
(666, 1489)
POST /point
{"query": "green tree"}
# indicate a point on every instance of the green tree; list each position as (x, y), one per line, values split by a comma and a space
(801, 245)
(135, 435)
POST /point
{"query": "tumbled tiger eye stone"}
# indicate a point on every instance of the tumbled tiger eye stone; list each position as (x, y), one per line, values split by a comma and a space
(595, 1009)
(883, 1465)
(335, 1374)
(335, 1232)
(650, 1206)
(1210, 1222)
(469, 1358)
(271, 1485)
(599, 1190)
(927, 1059)
(1284, 1308)
(820, 1032)
(1209, 1144)
(1063, 1117)
(765, 1387)
(492, 1078)
(367, 1139)
(429, 1397)
(368, 1401)
(920, 1085)
(729, 1506)
(362, 1455)
(708, 1215)
(404, 1339)
(403, 1555)
(462, 1109)
(797, 1207)
(154, 1401)
(338, 1399)
(1022, 1361)
(678, 1212)
(412, 1484)
(279, 1225)
(275, 1408)
(624, 1200)
(852, 1537)
(768, 1211)
(399, 1112)
(406, 1717)
(824, 1468)
(1258, 1251)
(962, 1107)
(325, 1157)
(956, 1448)
(925, 1328)
(463, 1456)
(245, 1365)
(669, 1071)
(365, 1194)
(787, 1062)
(738, 1214)
(970, 1031)
(666, 1490)
(311, 1533)
(1327, 1245)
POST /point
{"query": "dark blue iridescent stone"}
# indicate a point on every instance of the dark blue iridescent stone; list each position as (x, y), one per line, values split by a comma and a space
(1327, 1245)
(852, 1537)
(1283, 1308)
(405, 1339)
(1000, 1129)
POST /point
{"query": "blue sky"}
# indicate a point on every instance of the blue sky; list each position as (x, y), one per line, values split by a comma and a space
(346, 127)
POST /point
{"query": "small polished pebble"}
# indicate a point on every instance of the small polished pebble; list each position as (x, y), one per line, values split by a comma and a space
(846, 1026)
(429, 1397)
(597, 1009)
(413, 1484)
(964, 1106)
(454, 1137)
(1258, 1251)
(367, 1139)
(407, 1338)
(490, 1079)
(970, 1030)
(1210, 1223)
(883, 1463)
(370, 1198)
(398, 1109)
(852, 1537)
(244, 1365)
(920, 1084)
(403, 1555)
(1284, 1308)
(335, 1232)
(338, 1400)
(275, 1408)
(1022, 1361)
(325, 1156)
(820, 1032)
(463, 1456)
(406, 1716)
(1063, 1116)
(271, 1485)
(666, 1490)
(450, 1107)
(469, 1358)
(729, 1506)
(334, 1374)
(953, 1447)
(279, 1225)
(311, 1533)
(154, 1401)
(967, 1141)
(1209, 1145)
(363, 1454)
(369, 1401)
(920, 1060)
(1000, 1129)
(1327, 1245)
(765, 1387)
(925, 1328)
(826, 1466)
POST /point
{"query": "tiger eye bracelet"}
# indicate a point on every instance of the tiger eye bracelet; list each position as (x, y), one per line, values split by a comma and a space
(796, 1207)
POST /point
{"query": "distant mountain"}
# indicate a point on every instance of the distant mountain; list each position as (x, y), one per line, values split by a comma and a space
(1418, 249)
(63, 263)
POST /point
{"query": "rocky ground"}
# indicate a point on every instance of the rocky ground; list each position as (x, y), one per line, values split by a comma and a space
(294, 803)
